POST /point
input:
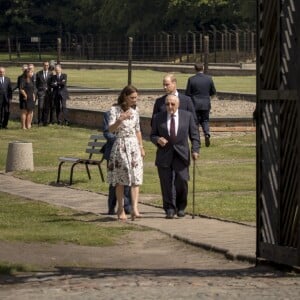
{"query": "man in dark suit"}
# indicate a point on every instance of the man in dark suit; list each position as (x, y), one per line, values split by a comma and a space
(170, 87)
(5, 98)
(112, 199)
(60, 95)
(170, 132)
(43, 95)
(200, 88)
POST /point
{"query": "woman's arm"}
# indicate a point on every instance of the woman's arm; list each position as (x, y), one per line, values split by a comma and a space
(123, 116)
(140, 141)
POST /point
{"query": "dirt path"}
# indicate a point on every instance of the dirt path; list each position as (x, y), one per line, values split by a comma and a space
(220, 108)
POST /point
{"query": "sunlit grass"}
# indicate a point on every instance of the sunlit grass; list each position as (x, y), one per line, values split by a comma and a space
(225, 170)
(117, 79)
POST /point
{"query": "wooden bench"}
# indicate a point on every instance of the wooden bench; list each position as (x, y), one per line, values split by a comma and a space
(94, 146)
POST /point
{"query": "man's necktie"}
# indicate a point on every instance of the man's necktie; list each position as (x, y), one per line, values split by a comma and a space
(172, 128)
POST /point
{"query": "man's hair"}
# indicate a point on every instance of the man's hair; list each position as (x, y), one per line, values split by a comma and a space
(171, 76)
(173, 96)
(199, 67)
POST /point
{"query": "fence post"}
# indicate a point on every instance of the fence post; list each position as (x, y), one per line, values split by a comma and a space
(225, 41)
(187, 47)
(130, 60)
(179, 47)
(39, 48)
(206, 53)
(58, 50)
(18, 46)
(215, 41)
(252, 45)
(237, 42)
(9, 48)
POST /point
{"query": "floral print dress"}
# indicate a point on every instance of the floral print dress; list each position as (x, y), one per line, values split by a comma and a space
(125, 164)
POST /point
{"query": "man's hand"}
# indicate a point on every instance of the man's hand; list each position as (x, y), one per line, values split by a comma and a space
(162, 141)
(195, 155)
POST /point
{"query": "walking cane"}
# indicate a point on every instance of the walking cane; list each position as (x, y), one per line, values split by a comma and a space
(194, 172)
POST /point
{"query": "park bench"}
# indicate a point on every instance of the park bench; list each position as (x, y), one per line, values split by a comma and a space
(95, 146)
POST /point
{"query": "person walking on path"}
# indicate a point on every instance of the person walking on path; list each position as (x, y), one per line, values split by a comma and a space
(125, 166)
(170, 132)
(5, 98)
(200, 88)
(170, 87)
(112, 199)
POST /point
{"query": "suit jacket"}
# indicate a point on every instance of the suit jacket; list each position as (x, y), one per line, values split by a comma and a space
(185, 104)
(110, 137)
(59, 86)
(6, 90)
(200, 88)
(42, 84)
(187, 129)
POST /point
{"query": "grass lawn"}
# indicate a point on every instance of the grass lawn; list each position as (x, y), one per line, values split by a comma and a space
(114, 78)
(225, 172)
(31, 221)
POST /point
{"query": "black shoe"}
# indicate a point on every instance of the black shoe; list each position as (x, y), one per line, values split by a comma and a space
(170, 214)
(111, 212)
(207, 140)
(181, 213)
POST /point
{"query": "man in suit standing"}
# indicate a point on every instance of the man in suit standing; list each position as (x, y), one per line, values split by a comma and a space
(5, 98)
(170, 132)
(170, 87)
(200, 88)
(42, 85)
(60, 95)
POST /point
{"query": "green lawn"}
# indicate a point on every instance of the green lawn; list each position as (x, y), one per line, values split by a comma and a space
(225, 172)
(29, 221)
(33, 221)
(114, 78)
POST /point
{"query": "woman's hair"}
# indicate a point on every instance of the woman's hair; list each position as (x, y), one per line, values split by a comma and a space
(127, 90)
(26, 74)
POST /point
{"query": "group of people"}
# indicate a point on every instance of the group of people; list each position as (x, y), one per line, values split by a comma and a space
(47, 88)
(175, 121)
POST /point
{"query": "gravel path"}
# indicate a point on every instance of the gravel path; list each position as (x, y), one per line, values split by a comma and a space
(220, 108)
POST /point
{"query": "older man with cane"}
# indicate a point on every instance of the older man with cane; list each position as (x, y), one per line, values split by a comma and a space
(170, 132)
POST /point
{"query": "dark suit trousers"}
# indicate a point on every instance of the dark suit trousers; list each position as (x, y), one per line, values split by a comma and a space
(42, 100)
(61, 109)
(4, 112)
(174, 185)
(203, 119)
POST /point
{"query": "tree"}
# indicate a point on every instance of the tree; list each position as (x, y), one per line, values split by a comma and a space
(15, 16)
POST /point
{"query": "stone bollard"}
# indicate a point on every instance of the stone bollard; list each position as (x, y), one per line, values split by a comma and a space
(19, 156)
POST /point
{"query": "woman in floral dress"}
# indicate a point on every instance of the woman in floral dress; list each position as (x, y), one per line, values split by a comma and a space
(125, 165)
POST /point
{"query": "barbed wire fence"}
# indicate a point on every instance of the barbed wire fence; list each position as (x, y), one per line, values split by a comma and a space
(224, 46)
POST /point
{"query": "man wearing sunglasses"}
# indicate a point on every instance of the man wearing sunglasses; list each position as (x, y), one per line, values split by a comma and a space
(171, 131)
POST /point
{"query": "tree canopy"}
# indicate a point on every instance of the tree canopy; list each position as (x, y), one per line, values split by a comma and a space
(121, 17)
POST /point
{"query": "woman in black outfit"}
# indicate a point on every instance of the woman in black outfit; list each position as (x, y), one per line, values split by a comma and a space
(27, 99)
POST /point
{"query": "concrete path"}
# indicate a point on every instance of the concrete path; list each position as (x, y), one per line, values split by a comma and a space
(235, 241)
